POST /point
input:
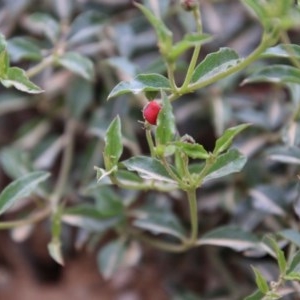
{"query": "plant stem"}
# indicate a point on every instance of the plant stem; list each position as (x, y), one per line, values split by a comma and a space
(172, 174)
(40, 67)
(150, 141)
(177, 248)
(65, 166)
(192, 87)
(33, 218)
(193, 62)
(244, 63)
(193, 215)
(171, 70)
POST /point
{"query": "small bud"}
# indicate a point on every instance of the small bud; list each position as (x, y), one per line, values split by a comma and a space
(189, 5)
(150, 112)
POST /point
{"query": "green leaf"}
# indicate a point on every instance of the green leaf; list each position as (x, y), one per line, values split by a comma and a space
(229, 236)
(163, 33)
(4, 64)
(224, 142)
(258, 8)
(20, 188)
(46, 24)
(2, 43)
(166, 129)
(78, 64)
(110, 258)
(82, 219)
(230, 162)
(17, 77)
(275, 74)
(148, 168)
(128, 178)
(23, 48)
(4, 59)
(214, 64)
(54, 247)
(79, 97)
(141, 83)
(294, 263)
(282, 264)
(268, 199)
(195, 151)
(107, 201)
(113, 144)
(85, 210)
(293, 276)
(291, 235)
(85, 25)
(188, 41)
(282, 51)
(15, 162)
(257, 295)
(288, 155)
(261, 282)
(160, 222)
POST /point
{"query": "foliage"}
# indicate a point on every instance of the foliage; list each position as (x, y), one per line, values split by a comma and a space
(251, 170)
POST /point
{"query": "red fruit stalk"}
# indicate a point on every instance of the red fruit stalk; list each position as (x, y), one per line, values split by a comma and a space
(150, 112)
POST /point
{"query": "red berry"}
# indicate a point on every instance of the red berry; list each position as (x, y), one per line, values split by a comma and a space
(150, 112)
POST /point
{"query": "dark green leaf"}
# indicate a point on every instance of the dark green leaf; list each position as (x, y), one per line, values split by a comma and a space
(163, 33)
(189, 41)
(17, 77)
(160, 222)
(54, 247)
(292, 276)
(291, 235)
(128, 177)
(192, 150)
(148, 168)
(288, 155)
(280, 256)
(258, 8)
(23, 48)
(113, 144)
(78, 64)
(141, 83)
(150, 95)
(85, 25)
(15, 162)
(85, 210)
(224, 142)
(110, 258)
(107, 201)
(2, 43)
(295, 263)
(231, 162)
(4, 64)
(261, 282)
(90, 223)
(229, 236)
(20, 188)
(257, 295)
(275, 74)
(282, 51)
(166, 128)
(268, 199)
(79, 97)
(214, 64)
(46, 24)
